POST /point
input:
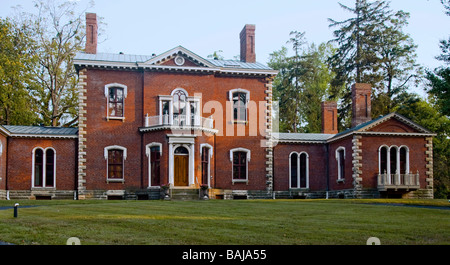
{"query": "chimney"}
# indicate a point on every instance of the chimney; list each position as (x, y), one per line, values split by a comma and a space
(91, 33)
(329, 117)
(361, 105)
(247, 38)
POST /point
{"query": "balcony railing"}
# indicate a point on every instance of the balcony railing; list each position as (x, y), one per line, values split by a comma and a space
(407, 181)
(179, 121)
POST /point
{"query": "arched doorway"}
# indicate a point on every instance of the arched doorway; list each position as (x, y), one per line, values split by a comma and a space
(181, 166)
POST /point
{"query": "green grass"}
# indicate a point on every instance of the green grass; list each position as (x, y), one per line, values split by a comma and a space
(218, 222)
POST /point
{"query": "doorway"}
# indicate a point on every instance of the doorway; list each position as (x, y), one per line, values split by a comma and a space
(181, 166)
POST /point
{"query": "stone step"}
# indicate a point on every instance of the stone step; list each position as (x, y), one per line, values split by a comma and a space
(185, 194)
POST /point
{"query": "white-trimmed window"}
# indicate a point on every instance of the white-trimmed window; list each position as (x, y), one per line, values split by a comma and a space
(239, 158)
(115, 157)
(298, 170)
(206, 153)
(340, 159)
(154, 153)
(1, 148)
(393, 160)
(239, 98)
(179, 109)
(43, 173)
(115, 96)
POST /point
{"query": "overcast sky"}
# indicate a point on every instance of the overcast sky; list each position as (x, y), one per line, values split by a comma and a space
(204, 26)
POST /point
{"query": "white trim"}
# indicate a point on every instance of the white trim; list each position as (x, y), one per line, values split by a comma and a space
(125, 92)
(187, 141)
(397, 157)
(44, 167)
(247, 97)
(208, 146)
(298, 170)
(124, 149)
(175, 52)
(1, 148)
(148, 153)
(339, 176)
(240, 149)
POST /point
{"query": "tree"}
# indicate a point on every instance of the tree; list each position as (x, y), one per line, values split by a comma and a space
(16, 104)
(301, 84)
(372, 48)
(58, 32)
(439, 79)
(425, 114)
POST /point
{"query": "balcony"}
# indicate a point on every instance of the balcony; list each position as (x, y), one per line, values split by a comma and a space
(179, 122)
(398, 181)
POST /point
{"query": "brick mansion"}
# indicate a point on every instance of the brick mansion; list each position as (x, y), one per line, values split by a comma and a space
(176, 125)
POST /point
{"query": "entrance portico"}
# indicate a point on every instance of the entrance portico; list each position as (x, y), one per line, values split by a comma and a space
(181, 160)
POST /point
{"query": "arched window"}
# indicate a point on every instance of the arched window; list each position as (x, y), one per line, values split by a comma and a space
(206, 154)
(404, 160)
(299, 170)
(44, 167)
(116, 94)
(240, 98)
(340, 158)
(383, 156)
(294, 170)
(154, 151)
(394, 161)
(179, 107)
(240, 158)
(115, 157)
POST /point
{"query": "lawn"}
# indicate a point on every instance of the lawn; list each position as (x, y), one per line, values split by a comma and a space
(219, 222)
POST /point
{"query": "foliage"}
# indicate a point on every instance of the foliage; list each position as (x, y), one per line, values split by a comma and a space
(426, 115)
(304, 78)
(58, 33)
(16, 104)
(372, 48)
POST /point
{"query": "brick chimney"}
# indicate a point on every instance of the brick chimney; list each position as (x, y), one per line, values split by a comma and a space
(247, 38)
(361, 105)
(91, 33)
(329, 117)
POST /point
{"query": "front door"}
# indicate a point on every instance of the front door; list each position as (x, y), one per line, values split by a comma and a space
(181, 172)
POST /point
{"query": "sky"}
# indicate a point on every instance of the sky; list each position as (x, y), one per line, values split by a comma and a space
(145, 27)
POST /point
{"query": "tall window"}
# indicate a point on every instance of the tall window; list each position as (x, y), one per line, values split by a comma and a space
(44, 167)
(383, 159)
(205, 165)
(240, 158)
(240, 98)
(155, 164)
(115, 106)
(115, 94)
(299, 170)
(340, 157)
(240, 106)
(115, 156)
(179, 107)
(115, 164)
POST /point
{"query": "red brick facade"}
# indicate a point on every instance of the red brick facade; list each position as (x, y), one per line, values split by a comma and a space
(181, 120)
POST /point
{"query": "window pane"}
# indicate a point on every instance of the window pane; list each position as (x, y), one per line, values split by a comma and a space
(239, 165)
(49, 169)
(38, 167)
(393, 158)
(115, 163)
(402, 160)
(303, 172)
(383, 160)
(294, 183)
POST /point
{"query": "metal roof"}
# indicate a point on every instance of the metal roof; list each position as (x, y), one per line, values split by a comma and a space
(303, 137)
(112, 57)
(40, 130)
(136, 59)
(238, 64)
